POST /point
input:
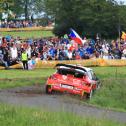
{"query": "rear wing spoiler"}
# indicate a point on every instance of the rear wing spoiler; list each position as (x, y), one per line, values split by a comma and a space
(70, 66)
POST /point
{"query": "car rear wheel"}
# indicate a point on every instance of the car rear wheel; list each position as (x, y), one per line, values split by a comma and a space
(48, 89)
(88, 95)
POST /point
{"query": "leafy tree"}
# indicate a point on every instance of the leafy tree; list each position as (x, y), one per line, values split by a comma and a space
(5, 7)
(87, 17)
(19, 7)
(24, 7)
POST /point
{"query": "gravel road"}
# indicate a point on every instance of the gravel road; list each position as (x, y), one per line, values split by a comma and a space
(34, 96)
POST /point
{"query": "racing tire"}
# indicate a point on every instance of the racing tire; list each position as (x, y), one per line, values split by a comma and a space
(48, 87)
(88, 95)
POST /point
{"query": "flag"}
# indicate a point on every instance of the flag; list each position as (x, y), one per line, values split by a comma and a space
(123, 36)
(65, 36)
(74, 36)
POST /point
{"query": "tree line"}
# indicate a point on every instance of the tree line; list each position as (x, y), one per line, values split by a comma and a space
(88, 17)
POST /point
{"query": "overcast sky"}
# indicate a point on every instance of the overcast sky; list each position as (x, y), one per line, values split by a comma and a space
(122, 0)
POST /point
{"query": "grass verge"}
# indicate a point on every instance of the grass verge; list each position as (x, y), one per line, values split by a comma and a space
(18, 116)
(16, 78)
(19, 73)
(29, 34)
(111, 95)
(20, 82)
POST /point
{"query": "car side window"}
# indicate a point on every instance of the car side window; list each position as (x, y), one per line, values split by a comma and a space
(92, 75)
(89, 75)
(59, 71)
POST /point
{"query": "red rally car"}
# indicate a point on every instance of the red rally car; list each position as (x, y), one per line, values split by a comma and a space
(73, 79)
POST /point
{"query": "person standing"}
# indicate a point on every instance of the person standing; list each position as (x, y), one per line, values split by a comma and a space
(24, 58)
(14, 53)
(6, 58)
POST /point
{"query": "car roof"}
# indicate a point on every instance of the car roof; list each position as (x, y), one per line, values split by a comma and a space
(68, 68)
(77, 67)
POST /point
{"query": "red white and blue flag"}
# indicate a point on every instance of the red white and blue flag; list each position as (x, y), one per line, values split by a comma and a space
(74, 36)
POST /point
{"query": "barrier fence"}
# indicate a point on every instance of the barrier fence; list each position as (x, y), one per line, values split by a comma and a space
(87, 63)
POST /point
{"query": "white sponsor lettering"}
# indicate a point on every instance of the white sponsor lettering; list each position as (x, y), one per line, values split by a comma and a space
(66, 86)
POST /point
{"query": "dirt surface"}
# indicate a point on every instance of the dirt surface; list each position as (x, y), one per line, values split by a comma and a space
(34, 96)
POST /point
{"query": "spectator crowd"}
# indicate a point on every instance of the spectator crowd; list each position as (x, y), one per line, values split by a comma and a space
(53, 48)
(17, 24)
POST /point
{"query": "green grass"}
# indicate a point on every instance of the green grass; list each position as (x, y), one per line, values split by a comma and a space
(19, 73)
(29, 34)
(11, 83)
(112, 94)
(16, 78)
(110, 72)
(19, 116)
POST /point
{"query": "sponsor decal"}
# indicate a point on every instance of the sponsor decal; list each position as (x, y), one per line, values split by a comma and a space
(64, 77)
(66, 86)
